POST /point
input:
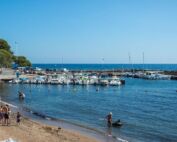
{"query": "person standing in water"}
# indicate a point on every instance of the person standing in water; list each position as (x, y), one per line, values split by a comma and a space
(109, 119)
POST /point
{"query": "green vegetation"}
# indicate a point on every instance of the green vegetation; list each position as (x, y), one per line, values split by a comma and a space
(7, 57)
(22, 61)
(4, 45)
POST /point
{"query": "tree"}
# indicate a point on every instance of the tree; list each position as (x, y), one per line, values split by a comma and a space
(4, 45)
(5, 58)
(22, 61)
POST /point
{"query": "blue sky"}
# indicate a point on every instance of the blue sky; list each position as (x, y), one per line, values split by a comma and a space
(86, 31)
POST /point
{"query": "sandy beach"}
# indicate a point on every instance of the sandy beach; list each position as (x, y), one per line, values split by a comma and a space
(31, 131)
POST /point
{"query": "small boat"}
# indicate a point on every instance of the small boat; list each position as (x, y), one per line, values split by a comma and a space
(117, 124)
(55, 81)
(104, 82)
(115, 82)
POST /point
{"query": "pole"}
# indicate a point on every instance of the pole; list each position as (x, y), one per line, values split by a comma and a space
(143, 61)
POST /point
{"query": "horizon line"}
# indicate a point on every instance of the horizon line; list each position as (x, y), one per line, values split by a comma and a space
(109, 63)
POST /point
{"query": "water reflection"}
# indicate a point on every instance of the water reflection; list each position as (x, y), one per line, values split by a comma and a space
(109, 131)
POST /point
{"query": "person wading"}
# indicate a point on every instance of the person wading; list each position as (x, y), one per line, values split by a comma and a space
(109, 119)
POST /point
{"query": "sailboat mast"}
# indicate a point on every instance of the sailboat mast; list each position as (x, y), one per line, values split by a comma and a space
(130, 62)
(143, 61)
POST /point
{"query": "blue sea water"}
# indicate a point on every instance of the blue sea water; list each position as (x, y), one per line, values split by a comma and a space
(107, 66)
(147, 108)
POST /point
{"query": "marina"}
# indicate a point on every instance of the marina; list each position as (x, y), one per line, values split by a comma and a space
(84, 77)
(70, 78)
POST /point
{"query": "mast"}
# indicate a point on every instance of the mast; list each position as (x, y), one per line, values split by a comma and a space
(62, 62)
(102, 63)
(16, 48)
(130, 62)
(143, 62)
(129, 58)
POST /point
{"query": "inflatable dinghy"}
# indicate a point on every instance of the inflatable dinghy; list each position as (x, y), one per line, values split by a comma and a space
(117, 124)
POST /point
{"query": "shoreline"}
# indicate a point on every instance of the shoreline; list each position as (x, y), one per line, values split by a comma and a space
(70, 130)
(33, 130)
(30, 130)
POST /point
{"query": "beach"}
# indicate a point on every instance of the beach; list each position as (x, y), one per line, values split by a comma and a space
(31, 131)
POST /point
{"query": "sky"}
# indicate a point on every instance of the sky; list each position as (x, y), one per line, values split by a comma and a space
(91, 31)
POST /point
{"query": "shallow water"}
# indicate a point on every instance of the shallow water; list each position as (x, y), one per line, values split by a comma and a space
(146, 107)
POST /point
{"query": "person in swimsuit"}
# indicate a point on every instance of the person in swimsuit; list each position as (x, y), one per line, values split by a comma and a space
(109, 119)
(1, 115)
(6, 115)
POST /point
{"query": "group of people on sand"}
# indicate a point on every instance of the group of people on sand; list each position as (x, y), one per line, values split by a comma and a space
(5, 113)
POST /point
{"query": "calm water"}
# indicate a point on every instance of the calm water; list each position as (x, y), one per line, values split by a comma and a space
(146, 107)
(107, 66)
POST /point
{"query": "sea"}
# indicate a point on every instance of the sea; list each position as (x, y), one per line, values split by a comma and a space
(167, 67)
(147, 108)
